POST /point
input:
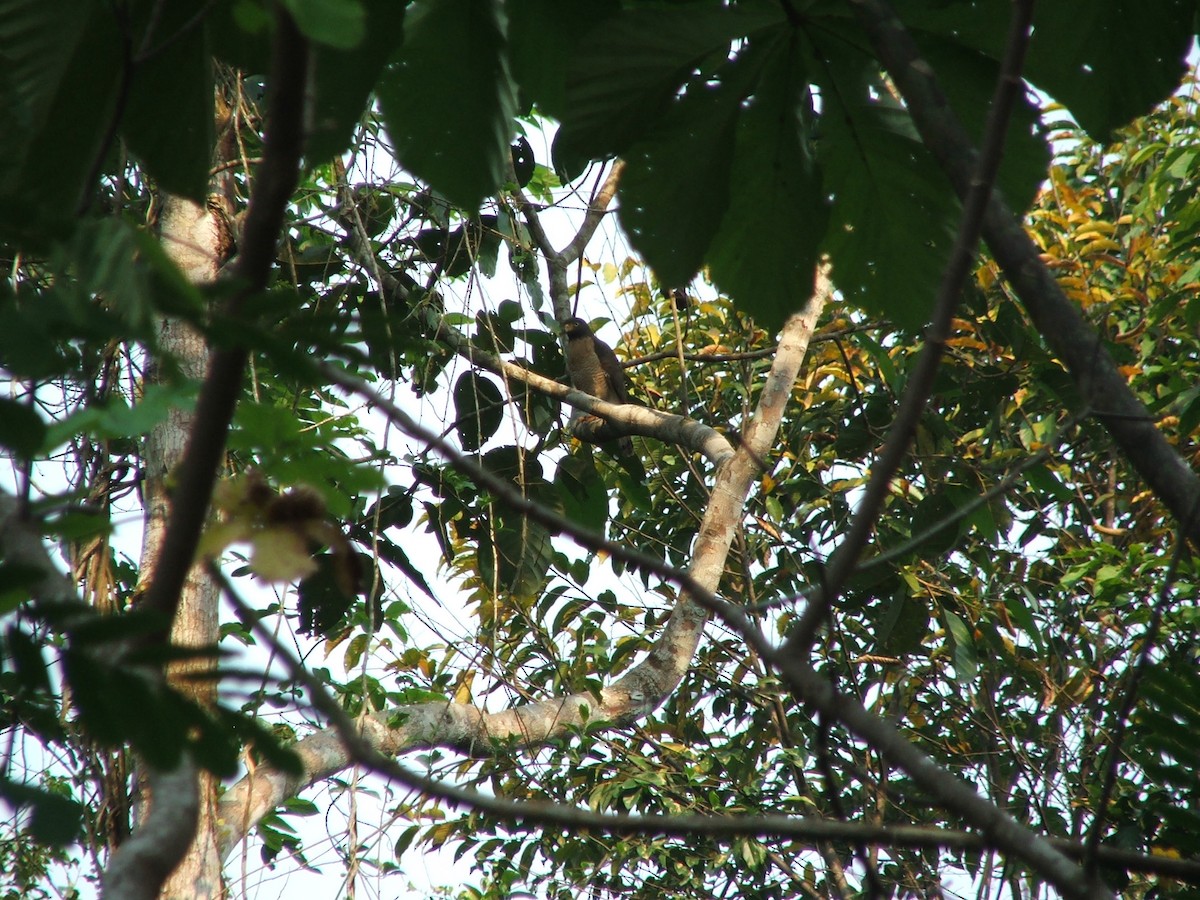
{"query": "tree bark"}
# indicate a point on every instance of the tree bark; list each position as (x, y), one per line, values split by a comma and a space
(197, 238)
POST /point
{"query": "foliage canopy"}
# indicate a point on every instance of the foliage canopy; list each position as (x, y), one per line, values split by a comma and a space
(1023, 612)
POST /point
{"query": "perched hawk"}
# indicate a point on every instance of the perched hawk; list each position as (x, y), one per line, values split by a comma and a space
(595, 369)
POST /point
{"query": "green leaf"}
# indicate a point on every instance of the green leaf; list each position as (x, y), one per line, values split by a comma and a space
(582, 492)
(337, 23)
(966, 663)
(343, 79)
(514, 559)
(17, 583)
(60, 72)
(626, 73)
(1111, 61)
(676, 184)
(893, 215)
(323, 600)
(1108, 62)
(174, 86)
(55, 820)
(479, 407)
(21, 428)
(765, 253)
(544, 36)
(448, 100)
(1022, 615)
(969, 80)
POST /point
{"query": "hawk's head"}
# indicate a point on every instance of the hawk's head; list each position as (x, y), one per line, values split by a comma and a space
(575, 328)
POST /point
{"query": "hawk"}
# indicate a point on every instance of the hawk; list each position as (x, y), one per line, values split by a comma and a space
(595, 370)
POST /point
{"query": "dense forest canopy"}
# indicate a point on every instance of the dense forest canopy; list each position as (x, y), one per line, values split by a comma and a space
(314, 553)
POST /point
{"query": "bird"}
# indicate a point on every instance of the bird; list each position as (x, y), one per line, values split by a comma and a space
(595, 369)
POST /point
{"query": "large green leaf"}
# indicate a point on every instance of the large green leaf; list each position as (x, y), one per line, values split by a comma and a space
(627, 72)
(332, 23)
(479, 409)
(765, 253)
(343, 79)
(544, 37)
(168, 121)
(22, 430)
(59, 76)
(893, 211)
(54, 820)
(1108, 61)
(676, 184)
(448, 99)
(1111, 61)
(582, 492)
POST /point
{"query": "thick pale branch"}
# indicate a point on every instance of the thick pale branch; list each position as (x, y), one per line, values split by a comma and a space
(597, 209)
(275, 180)
(141, 865)
(151, 853)
(373, 741)
(633, 696)
(558, 261)
(629, 417)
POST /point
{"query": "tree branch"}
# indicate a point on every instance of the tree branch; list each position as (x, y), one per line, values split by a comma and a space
(632, 696)
(946, 789)
(274, 182)
(139, 866)
(1102, 387)
(596, 212)
(558, 261)
(631, 418)
(920, 383)
(372, 742)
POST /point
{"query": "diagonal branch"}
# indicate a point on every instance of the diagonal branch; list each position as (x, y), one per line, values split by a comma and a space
(274, 183)
(357, 743)
(920, 383)
(1102, 387)
(633, 696)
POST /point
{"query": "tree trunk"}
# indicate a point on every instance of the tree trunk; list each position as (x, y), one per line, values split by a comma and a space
(198, 239)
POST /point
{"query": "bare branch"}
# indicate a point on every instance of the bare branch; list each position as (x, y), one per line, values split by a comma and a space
(1073, 339)
(920, 383)
(596, 212)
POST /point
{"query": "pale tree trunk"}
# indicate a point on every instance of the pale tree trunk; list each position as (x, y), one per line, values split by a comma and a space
(198, 239)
